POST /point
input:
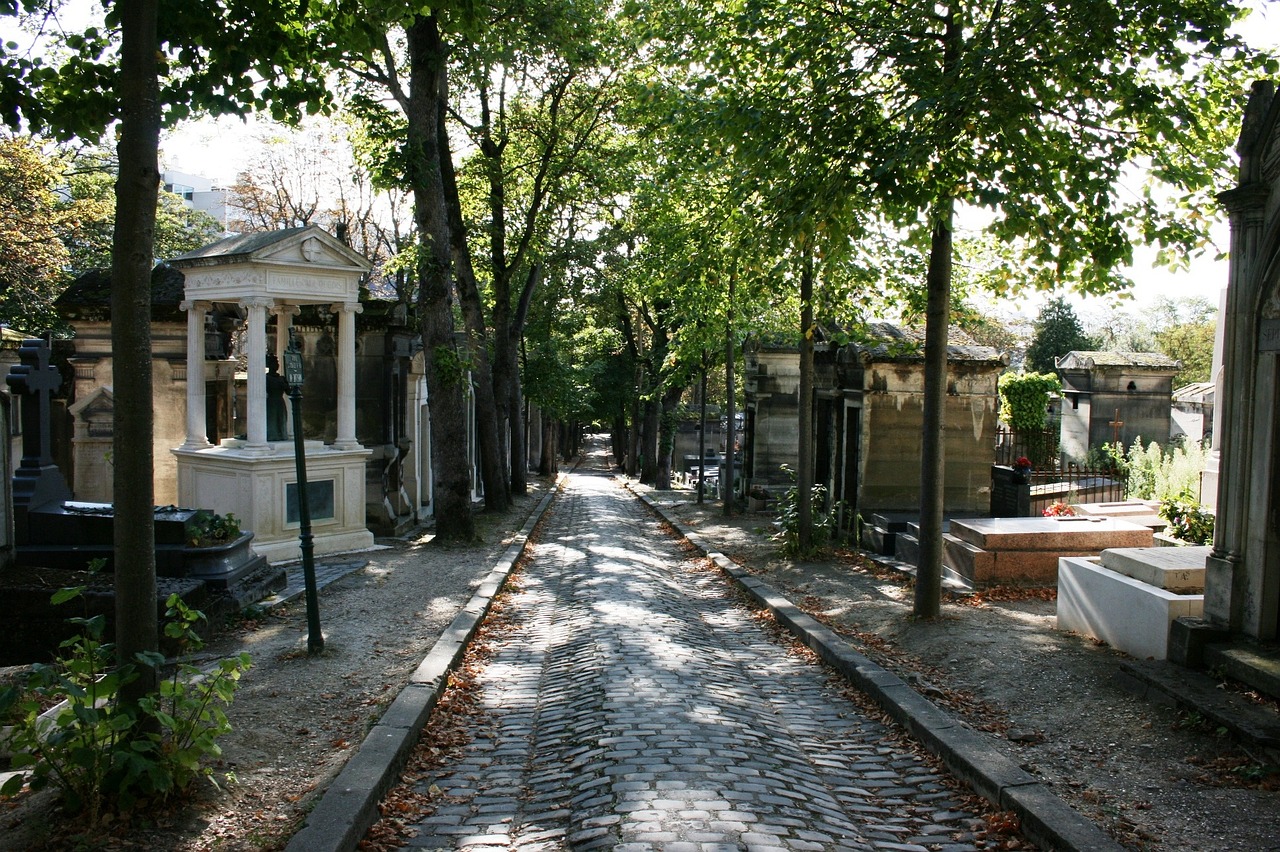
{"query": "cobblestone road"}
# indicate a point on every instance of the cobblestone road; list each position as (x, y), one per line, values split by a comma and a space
(637, 705)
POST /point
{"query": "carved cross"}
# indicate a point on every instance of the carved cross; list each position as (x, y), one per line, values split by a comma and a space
(35, 377)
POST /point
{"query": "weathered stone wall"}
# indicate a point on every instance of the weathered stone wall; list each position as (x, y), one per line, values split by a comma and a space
(893, 411)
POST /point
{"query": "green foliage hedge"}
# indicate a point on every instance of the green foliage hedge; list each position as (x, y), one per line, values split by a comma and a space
(1024, 399)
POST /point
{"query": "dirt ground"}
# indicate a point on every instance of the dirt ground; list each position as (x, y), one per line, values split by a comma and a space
(1154, 778)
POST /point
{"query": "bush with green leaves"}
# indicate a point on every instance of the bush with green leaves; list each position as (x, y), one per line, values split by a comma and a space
(1161, 474)
(1024, 399)
(1188, 520)
(101, 752)
(1024, 405)
(824, 520)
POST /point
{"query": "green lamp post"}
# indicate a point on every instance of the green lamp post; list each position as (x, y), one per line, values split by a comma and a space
(293, 379)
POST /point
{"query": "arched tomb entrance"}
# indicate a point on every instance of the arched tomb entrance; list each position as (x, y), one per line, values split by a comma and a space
(270, 276)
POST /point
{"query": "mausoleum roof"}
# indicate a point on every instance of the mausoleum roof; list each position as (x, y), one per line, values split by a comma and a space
(239, 245)
(1085, 360)
(885, 341)
(94, 288)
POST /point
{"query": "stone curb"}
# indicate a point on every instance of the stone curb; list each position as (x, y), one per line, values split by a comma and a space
(1046, 820)
(349, 806)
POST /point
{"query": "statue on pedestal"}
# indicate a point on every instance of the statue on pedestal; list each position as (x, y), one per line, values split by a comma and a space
(277, 429)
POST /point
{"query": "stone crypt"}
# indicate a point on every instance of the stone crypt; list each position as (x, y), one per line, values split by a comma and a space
(271, 276)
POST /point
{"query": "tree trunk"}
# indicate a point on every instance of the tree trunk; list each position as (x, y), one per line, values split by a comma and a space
(804, 475)
(667, 434)
(633, 438)
(619, 438)
(452, 486)
(731, 424)
(507, 354)
(928, 598)
(136, 629)
(497, 495)
(649, 444)
(550, 458)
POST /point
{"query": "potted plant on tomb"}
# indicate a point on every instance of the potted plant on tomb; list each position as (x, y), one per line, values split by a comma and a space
(215, 543)
(757, 498)
(1022, 469)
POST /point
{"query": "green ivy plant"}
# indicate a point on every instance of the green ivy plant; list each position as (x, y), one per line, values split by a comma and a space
(1024, 399)
(207, 529)
(98, 751)
(1024, 405)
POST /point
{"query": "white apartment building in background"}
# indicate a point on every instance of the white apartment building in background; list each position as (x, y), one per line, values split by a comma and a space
(199, 193)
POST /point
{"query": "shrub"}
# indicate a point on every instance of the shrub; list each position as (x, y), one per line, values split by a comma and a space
(206, 529)
(1188, 520)
(98, 750)
(1157, 474)
(824, 521)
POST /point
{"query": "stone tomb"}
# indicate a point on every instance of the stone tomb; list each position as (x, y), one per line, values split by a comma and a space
(1129, 597)
(1025, 551)
(255, 477)
(52, 530)
(70, 534)
(1145, 512)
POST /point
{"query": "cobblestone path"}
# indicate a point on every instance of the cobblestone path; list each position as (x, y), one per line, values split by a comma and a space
(637, 705)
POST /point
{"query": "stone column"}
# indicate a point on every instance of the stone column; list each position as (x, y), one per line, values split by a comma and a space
(197, 431)
(284, 322)
(346, 436)
(256, 387)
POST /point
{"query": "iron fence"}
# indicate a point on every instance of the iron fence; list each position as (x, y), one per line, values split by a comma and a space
(1072, 483)
(1040, 446)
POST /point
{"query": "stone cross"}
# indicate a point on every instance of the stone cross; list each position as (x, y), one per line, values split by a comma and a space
(37, 482)
(35, 379)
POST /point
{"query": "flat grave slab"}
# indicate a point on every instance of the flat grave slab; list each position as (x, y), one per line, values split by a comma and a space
(1127, 614)
(1145, 512)
(1176, 569)
(1061, 534)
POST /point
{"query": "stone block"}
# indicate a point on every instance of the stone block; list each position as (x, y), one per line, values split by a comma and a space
(877, 539)
(1177, 569)
(1128, 615)
(906, 548)
(1063, 534)
(1188, 638)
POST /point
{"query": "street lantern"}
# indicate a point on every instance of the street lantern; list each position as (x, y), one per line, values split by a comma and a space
(293, 378)
(293, 365)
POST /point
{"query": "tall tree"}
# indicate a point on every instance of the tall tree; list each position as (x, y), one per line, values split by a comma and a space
(922, 109)
(1056, 331)
(33, 258)
(89, 206)
(131, 261)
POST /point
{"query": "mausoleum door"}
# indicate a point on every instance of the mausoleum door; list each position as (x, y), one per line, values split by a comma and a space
(851, 459)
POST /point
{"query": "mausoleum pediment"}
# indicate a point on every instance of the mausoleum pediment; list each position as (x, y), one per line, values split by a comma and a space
(295, 266)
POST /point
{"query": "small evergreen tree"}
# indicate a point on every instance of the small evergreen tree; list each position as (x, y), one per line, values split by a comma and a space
(1057, 332)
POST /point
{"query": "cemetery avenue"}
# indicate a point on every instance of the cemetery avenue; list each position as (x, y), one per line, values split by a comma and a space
(635, 704)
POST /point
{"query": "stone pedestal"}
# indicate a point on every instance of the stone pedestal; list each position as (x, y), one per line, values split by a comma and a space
(259, 485)
(1130, 597)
